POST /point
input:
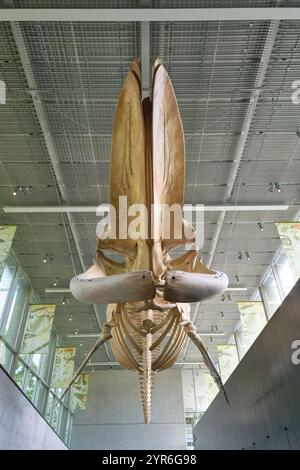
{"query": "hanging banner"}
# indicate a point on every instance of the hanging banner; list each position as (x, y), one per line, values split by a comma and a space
(289, 233)
(38, 329)
(228, 359)
(79, 393)
(253, 320)
(7, 233)
(63, 367)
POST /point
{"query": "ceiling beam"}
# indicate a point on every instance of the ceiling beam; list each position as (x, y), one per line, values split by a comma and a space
(241, 144)
(148, 14)
(66, 290)
(104, 208)
(145, 54)
(112, 364)
(43, 122)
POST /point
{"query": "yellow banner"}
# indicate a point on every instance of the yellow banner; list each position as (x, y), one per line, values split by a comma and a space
(63, 369)
(7, 233)
(38, 329)
(79, 393)
(289, 233)
(253, 320)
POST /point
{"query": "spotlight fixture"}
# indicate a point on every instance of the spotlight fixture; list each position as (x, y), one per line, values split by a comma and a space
(76, 331)
(222, 314)
(47, 258)
(22, 189)
(240, 256)
(64, 301)
(85, 353)
(80, 344)
(223, 298)
(275, 187)
(70, 318)
(55, 282)
(260, 227)
(237, 279)
(248, 256)
(211, 340)
(272, 187)
(229, 298)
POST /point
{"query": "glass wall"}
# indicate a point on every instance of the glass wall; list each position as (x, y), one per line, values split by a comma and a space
(31, 372)
(277, 283)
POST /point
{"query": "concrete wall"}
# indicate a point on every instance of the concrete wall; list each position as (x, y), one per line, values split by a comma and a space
(21, 426)
(114, 417)
(264, 392)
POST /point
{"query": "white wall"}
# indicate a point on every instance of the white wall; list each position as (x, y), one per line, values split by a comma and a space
(114, 417)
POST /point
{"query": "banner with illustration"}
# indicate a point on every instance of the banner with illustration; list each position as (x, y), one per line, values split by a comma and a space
(63, 369)
(79, 393)
(253, 320)
(38, 329)
(7, 233)
(228, 359)
(289, 233)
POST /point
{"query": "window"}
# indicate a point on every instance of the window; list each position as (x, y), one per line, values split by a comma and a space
(49, 407)
(272, 292)
(16, 310)
(69, 422)
(285, 274)
(30, 371)
(5, 285)
(6, 356)
(31, 386)
(20, 374)
(39, 363)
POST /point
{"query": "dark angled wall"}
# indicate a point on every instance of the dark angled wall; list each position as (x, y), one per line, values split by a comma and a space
(264, 391)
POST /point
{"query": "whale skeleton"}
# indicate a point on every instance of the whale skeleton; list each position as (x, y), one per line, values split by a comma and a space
(148, 294)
